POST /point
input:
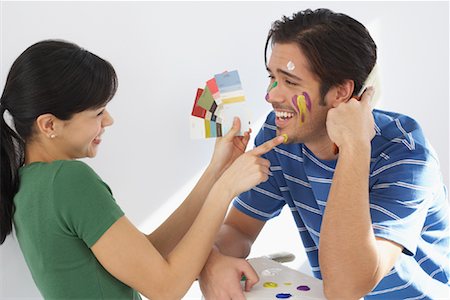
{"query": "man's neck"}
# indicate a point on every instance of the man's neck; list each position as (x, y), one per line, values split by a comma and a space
(322, 149)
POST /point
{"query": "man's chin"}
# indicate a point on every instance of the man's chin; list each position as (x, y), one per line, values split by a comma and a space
(291, 139)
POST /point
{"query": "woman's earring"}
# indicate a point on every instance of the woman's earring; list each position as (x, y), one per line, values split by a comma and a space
(52, 136)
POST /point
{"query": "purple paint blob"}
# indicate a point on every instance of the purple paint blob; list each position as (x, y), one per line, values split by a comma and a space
(307, 100)
(267, 97)
(303, 288)
(283, 296)
(303, 117)
(294, 101)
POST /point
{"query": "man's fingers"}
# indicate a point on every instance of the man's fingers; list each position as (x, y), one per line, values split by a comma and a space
(252, 277)
(267, 146)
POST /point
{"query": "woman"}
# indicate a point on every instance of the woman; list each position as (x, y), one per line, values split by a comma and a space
(75, 238)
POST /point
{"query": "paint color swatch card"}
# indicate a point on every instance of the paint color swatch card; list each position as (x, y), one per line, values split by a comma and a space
(277, 281)
(216, 105)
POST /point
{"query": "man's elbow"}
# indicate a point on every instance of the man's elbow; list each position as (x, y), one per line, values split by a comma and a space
(232, 242)
(348, 290)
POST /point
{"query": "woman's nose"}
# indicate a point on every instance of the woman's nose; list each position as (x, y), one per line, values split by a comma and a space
(107, 119)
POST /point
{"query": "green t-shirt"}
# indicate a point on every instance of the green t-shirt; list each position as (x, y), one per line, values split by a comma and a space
(62, 209)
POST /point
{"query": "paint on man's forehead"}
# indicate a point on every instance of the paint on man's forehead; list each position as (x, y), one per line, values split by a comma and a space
(290, 66)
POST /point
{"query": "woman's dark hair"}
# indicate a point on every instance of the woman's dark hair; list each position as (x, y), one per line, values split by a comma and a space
(337, 46)
(50, 76)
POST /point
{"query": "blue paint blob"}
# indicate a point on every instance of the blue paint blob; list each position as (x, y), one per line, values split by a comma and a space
(283, 296)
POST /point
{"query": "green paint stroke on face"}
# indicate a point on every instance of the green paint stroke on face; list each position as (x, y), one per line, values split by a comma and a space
(274, 84)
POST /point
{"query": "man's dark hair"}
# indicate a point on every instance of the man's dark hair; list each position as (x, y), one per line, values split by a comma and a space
(337, 46)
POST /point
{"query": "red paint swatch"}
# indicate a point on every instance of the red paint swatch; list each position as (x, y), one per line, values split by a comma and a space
(198, 111)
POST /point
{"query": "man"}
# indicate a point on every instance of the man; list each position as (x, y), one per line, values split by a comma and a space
(372, 216)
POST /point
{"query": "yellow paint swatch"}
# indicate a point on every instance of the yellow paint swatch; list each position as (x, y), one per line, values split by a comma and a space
(207, 128)
(233, 99)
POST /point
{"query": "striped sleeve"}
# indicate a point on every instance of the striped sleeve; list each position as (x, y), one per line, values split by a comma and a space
(401, 192)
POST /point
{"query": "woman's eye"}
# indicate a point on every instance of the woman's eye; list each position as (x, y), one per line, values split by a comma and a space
(100, 113)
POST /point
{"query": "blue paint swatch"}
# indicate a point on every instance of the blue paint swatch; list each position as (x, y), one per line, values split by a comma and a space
(228, 81)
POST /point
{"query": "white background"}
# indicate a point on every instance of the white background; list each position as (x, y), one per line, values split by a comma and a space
(163, 51)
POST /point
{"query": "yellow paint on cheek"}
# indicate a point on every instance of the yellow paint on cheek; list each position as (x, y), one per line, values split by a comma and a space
(301, 102)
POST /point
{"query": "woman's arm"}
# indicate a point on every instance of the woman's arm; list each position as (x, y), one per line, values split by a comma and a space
(127, 254)
(169, 233)
(227, 149)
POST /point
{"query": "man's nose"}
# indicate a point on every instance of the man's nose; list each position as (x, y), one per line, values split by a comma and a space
(274, 93)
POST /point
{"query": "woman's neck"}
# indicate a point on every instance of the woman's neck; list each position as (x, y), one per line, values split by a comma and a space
(40, 152)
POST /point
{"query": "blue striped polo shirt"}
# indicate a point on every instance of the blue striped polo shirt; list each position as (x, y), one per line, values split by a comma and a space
(408, 202)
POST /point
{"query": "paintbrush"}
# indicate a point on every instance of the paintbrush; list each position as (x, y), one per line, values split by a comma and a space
(372, 80)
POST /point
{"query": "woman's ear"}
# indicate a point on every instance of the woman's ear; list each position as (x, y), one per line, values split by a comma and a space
(46, 125)
(342, 92)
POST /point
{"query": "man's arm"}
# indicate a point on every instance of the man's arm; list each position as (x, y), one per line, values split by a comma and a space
(237, 234)
(347, 241)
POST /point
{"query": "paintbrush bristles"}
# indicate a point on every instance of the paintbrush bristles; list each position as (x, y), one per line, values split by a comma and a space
(372, 80)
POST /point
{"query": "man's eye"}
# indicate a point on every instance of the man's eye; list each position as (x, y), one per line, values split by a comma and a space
(271, 77)
(288, 82)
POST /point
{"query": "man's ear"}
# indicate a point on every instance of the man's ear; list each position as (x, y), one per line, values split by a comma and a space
(341, 93)
(46, 125)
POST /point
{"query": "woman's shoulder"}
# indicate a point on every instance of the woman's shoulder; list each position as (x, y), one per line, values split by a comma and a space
(76, 177)
(73, 169)
(72, 165)
(57, 167)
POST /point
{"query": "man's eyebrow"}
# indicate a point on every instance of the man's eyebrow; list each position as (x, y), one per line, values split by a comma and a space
(289, 74)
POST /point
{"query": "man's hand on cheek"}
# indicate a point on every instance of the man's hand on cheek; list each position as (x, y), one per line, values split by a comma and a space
(351, 123)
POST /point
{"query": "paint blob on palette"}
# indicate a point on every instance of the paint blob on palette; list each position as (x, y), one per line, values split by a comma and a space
(217, 104)
(277, 281)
